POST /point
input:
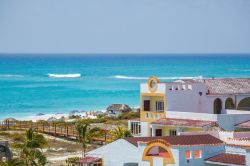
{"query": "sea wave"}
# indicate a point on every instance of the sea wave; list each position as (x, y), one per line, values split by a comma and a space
(161, 78)
(11, 75)
(77, 75)
(240, 69)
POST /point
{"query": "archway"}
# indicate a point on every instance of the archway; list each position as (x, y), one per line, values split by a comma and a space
(229, 104)
(244, 104)
(217, 106)
(158, 148)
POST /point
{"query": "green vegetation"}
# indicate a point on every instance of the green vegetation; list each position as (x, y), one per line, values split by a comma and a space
(129, 115)
(120, 132)
(30, 149)
(86, 134)
(72, 160)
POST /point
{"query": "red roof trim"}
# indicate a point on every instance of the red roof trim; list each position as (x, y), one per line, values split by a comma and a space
(245, 124)
(181, 140)
(227, 158)
(88, 160)
(184, 122)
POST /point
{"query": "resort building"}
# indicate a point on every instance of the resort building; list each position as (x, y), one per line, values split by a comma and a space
(168, 108)
(183, 150)
(185, 123)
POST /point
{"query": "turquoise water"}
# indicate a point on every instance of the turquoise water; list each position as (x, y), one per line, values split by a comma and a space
(26, 88)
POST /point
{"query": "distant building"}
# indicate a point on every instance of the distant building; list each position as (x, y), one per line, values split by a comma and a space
(115, 110)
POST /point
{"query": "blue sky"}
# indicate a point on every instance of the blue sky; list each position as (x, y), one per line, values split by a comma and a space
(125, 26)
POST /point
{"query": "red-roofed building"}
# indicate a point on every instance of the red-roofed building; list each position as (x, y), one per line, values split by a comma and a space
(169, 108)
(184, 150)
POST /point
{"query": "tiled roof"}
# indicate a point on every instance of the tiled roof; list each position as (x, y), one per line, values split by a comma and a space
(227, 158)
(181, 140)
(184, 122)
(224, 85)
(243, 124)
(88, 160)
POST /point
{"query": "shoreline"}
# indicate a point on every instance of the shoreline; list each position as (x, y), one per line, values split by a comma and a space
(84, 114)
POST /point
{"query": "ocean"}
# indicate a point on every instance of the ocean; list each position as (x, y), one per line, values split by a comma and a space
(48, 84)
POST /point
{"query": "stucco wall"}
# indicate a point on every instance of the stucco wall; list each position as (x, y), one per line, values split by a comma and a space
(207, 151)
(117, 153)
(235, 150)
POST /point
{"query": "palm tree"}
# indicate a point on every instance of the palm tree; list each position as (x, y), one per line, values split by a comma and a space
(31, 149)
(120, 132)
(86, 134)
(82, 130)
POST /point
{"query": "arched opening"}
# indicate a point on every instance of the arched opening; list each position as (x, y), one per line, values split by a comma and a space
(229, 104)
(217, 106)
(159, 149)
(244, 104)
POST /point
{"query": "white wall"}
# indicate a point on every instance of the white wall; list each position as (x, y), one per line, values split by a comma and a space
(160, 89)
(117, 153)
(187, 100)
(235, 150)
(145, 129)
(180, 98)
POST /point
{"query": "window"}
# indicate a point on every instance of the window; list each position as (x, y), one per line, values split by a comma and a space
(98, 164)
(159, 107)
(135, 128)
(197, 154)
(172, 132)
(188, 154)
(146, 105)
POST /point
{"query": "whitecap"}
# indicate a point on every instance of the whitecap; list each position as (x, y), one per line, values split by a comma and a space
(11, 75)
(161, 78)
(130, 78)
(77, 75)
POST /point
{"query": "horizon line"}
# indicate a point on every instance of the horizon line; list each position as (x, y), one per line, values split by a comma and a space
(123, 54)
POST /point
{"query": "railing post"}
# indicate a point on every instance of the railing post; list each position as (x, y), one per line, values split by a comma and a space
(8, 124)
(43, 127)
(55, 128)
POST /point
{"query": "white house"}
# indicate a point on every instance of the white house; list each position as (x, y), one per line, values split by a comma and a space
(168, 108)
(184, 150)
(175, 118)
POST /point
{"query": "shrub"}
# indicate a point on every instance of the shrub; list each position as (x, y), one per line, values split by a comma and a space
(72, 160)
(129, 115)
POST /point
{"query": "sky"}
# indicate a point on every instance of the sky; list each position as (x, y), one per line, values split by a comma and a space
(125, 26)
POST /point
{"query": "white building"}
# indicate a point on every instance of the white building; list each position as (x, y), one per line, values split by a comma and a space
(175, 118)
(184, 150)
(168, 108)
